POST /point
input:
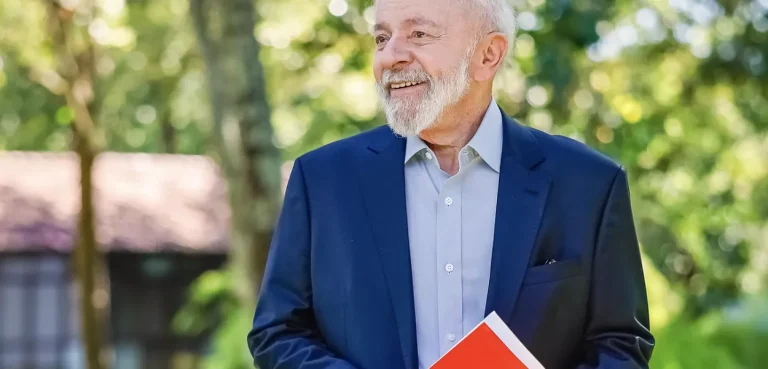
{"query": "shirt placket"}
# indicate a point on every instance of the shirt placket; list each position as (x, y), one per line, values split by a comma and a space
(449, 287)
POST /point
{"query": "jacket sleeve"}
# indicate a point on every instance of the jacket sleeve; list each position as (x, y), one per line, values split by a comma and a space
(618, 330)
(284, 334)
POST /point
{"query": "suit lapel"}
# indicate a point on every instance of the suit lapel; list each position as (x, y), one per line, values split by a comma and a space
(521, 198)
(383, 181)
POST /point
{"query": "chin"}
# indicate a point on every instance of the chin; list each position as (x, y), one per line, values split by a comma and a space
(407, 127)
(401, 127)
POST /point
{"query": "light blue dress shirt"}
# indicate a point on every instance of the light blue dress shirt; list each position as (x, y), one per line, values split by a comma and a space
(450, 229)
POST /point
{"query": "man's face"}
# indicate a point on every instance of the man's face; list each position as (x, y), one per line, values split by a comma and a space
(422, 60)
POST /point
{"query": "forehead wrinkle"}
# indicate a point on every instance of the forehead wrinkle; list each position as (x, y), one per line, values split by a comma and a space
(410, 22)
(420, 21)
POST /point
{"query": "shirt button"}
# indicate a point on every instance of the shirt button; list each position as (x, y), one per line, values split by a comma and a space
(448, 201)
(451, 337)
(428, 155)
(448, 267)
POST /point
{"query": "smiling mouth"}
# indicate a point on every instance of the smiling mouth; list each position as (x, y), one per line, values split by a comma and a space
(399, 85)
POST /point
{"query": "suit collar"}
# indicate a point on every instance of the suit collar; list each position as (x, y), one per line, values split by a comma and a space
(519, 144)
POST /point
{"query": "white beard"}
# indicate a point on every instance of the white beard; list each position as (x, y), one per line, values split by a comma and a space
(408, 116)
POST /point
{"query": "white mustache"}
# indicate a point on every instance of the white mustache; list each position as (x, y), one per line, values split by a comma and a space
(389, 76)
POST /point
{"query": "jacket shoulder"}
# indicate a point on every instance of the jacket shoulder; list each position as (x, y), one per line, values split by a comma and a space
(571, 157)
(342, 149)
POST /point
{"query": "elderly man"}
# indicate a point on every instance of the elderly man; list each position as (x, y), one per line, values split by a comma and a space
(393, 244)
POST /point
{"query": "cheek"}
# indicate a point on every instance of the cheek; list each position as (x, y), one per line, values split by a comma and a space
(378, 70)
(437, 64)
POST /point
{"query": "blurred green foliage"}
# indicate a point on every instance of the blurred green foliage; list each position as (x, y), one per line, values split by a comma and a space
(676, 90)
(212, 307)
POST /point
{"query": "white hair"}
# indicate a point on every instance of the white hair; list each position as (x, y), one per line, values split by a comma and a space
(494, 16)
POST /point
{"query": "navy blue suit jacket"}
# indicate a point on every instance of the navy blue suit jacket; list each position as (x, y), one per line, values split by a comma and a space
(337, 290)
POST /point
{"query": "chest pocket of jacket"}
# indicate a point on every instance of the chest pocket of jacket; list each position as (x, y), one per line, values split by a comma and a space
(554, 272)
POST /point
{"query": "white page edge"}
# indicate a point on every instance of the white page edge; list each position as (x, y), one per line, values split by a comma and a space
(511, 341)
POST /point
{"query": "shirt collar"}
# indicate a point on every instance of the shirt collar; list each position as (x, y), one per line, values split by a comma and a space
(413, 146)
(487, 141)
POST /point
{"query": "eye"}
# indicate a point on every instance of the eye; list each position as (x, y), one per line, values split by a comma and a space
(380, 39)
(419, 34)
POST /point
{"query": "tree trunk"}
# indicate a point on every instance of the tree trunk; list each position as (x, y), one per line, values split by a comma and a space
(167, 132)
(87, 260)
(75, 58)
(160, 90)
(242, 134)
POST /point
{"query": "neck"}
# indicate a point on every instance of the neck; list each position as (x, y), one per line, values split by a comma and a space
(458, 124)
(455, 128)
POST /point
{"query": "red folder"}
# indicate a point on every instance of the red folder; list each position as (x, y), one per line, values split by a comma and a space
(490, 345)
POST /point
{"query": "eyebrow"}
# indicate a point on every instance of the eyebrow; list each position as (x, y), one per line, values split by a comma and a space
(414, 21)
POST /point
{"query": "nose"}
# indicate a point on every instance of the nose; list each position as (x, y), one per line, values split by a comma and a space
(395, 54)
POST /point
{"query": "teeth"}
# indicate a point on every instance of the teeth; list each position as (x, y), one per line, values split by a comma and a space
(404, 84)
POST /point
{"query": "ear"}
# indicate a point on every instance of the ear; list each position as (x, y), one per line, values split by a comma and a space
(491, 54)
